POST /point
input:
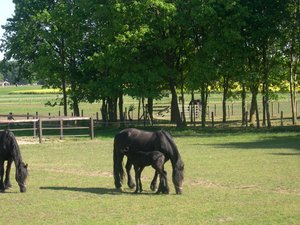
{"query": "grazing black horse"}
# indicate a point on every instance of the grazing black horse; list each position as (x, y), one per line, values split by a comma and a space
(140, 160)
(147, 141)
(9, 151)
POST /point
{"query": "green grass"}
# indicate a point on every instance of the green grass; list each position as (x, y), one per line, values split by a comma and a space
(230, 178)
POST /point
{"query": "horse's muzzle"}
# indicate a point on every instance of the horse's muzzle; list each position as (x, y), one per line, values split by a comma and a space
(23, 189)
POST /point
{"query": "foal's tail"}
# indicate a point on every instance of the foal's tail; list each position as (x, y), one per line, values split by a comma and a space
(118, 164)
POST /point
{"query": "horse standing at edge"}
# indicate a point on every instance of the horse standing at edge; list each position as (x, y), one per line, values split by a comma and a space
(148, 141)
(9, 151)
(140, 160)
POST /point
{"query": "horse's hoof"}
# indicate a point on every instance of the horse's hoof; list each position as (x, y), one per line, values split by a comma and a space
(7, 186)
(131, 185)
(2, 190)
(153, 187)
(120, 189)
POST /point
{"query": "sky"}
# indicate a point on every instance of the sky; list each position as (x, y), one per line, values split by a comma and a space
(7, 8)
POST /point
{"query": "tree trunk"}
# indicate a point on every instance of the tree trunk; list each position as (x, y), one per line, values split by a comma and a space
(150, 109)
(183, 119)
(204, 97)
(104, 111)
(266, 80)
(225, 96)
(175, 114)
(112, 109)
(75, 106)
(243, 95)
(293, 91)
(192, 107)
(253, 107)
(121, 113)
(63, 77)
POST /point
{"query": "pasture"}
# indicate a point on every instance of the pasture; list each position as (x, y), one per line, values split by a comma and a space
(230, 178)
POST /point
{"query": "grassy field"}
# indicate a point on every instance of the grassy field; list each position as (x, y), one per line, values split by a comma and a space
(24, 99)
(230, 178)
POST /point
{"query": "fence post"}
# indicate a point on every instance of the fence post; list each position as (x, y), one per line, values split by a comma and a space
(212, 119)
(97, 116)
(28, 116)
(40, 131)
(281, 118)
(61, 122)
(34, 129)
(246, 117)
(92, 128)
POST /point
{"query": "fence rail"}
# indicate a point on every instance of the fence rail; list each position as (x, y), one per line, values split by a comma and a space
(39, 125)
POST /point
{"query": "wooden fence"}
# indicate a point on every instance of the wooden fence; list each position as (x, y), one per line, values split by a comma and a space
(39, 125)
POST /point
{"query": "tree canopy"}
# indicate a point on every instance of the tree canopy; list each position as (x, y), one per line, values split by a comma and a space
(102, 50)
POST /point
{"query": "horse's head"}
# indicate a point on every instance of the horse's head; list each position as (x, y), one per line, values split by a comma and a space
(21, 176)
(178, 177)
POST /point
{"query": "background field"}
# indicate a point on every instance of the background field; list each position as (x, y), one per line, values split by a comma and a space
(230, 178)
(13, 100)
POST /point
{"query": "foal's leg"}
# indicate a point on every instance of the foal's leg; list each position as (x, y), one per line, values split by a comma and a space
(163, 183)
(7, 183)
(130, 182)
(153, 184)
(138, 172)
(1, 176)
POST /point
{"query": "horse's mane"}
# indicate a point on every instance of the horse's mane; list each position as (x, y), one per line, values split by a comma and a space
(175, 152)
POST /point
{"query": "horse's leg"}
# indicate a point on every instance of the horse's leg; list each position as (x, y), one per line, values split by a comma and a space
(165, 183)
(129, 178)
(1, 176)
(140, 182)
(7, 183)
(153, 184)
(136, 170)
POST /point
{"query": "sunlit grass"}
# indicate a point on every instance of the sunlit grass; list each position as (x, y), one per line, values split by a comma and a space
(241, 178)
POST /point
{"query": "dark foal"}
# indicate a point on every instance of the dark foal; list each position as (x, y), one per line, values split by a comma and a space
(140, 160)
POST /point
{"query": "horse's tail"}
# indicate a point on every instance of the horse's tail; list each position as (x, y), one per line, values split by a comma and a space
(177, 163)
(10, 141)
(118, 163)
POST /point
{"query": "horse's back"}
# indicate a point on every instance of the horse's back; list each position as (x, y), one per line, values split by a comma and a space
(135, 138)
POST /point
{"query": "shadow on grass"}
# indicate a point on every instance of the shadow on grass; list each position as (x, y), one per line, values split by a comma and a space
(288, 142)
(94, 190)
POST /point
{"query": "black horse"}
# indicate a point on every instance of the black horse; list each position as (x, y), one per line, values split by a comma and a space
(140, 160)
(9, 151)
(147, 141)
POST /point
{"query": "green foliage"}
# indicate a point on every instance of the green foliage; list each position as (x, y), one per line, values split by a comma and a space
(99, 50)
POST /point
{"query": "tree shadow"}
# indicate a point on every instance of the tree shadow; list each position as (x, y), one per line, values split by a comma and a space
(288, 142)
(95, 190)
